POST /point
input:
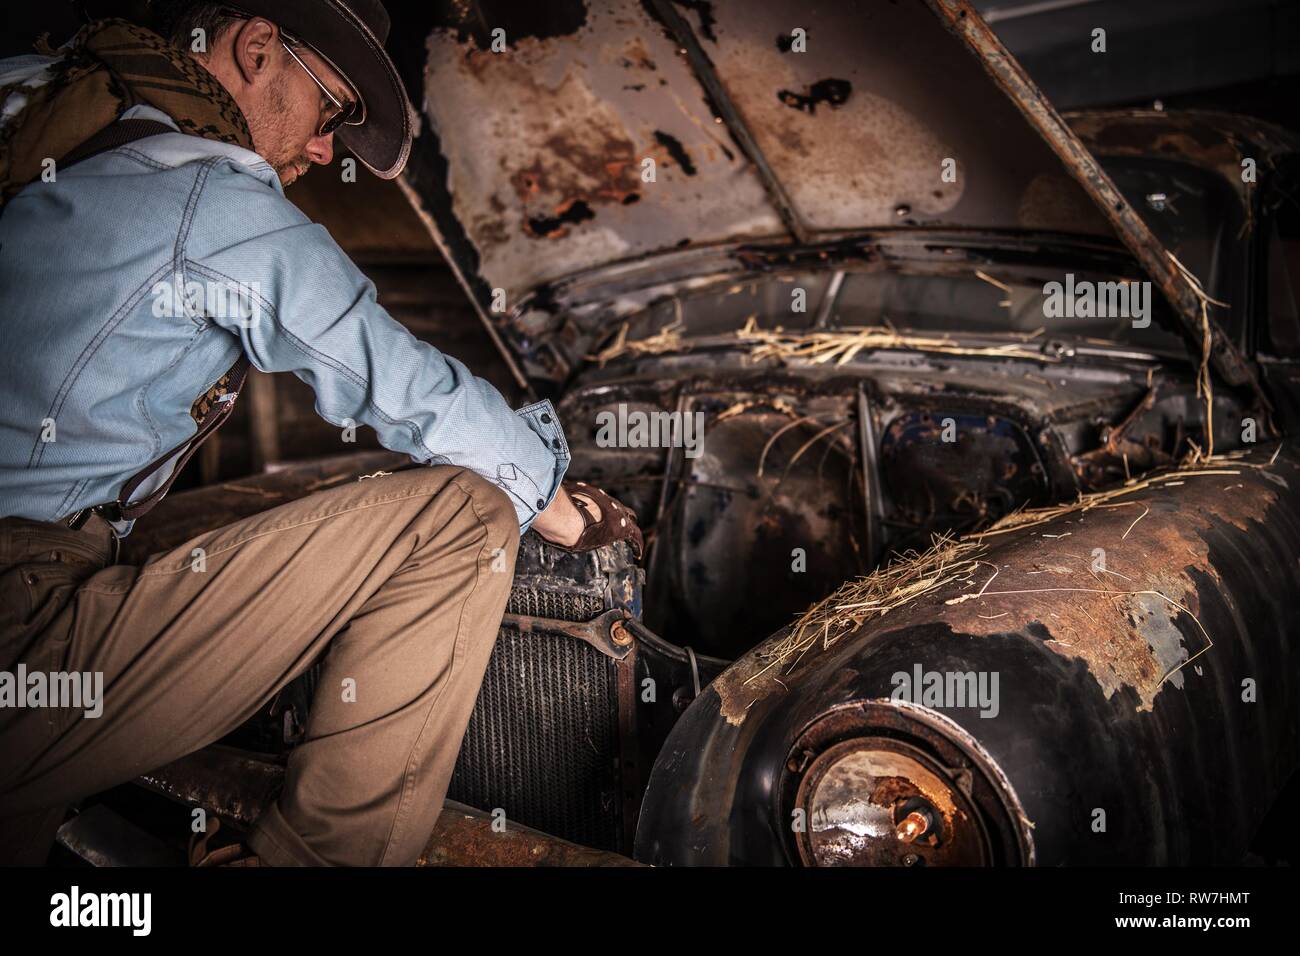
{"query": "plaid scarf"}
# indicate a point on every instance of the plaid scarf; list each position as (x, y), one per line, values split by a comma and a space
(111, 65)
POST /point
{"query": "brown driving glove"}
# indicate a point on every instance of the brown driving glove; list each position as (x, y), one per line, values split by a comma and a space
(617, 522)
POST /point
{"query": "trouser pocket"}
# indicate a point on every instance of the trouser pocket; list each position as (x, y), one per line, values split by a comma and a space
(36, 598)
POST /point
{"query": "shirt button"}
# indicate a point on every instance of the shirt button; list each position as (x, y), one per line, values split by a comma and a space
(546, 418)
(541, 504)
(555, 443)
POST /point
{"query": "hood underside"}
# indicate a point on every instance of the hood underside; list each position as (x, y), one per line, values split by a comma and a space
(547, 141)
(563, 137)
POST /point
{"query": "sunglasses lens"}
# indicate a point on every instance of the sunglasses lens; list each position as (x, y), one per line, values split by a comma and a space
(337, 120)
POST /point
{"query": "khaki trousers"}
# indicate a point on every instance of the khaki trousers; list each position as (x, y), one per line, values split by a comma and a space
(403, 578)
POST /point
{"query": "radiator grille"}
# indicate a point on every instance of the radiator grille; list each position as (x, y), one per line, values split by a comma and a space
(557, 605)
(542, 742)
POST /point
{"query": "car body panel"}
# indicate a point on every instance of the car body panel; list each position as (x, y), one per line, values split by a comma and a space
(531, 166)
(1156, 689)
(544, 140)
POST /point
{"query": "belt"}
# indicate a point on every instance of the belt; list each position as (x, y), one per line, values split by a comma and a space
(110, 511)
(77, 522)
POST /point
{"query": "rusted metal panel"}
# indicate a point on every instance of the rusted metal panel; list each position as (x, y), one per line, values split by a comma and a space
(1214, 141)
(230, 783)
(466, 837)
(1196, 313)
(530, 166)
(858, 128)
(542, 146)
(1145, 652)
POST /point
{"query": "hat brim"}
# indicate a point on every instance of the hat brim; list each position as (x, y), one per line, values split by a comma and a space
(383, 142)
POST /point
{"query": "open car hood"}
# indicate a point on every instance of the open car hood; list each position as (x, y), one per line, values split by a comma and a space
(588, 134)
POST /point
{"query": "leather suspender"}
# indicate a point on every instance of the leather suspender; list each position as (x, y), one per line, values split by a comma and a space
(110, 137)
(114, 135)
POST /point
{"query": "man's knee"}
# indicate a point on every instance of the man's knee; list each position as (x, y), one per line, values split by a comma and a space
(493, 507)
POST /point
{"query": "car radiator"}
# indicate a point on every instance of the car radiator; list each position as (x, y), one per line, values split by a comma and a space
(543, 743)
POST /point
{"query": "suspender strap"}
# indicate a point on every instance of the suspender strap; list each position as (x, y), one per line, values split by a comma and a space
(114, 135)
(212, 419)
(110, 137)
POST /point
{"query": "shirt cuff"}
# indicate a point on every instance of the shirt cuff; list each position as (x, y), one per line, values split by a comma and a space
(534, 497)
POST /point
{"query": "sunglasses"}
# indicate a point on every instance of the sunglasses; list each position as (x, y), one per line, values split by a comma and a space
(350, 112)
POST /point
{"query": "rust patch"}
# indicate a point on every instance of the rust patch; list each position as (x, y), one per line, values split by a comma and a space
(560, 186)
(869, 132)
(746, 681)
(1109, 135)
(1125, 584)
(1107, 586)
(889, 790)
(676, 150)
(464, 836)
(636, 57)
(832, 92)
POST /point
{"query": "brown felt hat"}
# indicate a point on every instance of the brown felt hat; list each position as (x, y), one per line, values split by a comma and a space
(350, 35)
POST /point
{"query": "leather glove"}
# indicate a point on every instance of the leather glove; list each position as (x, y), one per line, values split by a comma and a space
(617, 522)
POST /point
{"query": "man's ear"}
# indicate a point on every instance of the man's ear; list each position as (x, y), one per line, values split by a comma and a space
(255, 43)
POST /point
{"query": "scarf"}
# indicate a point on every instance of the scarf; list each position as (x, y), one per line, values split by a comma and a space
(110, 66)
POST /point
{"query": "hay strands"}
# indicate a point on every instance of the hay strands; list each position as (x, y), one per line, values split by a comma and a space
(667, 339)
(1204, 385)
(841, 345)
(951, 560)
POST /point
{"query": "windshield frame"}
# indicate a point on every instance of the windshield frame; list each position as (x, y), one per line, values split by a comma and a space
(1030, 260)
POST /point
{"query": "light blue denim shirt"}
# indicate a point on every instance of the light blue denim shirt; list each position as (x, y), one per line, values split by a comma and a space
(130, 284)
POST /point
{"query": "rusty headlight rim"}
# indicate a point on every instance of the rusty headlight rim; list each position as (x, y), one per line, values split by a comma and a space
(935, 741)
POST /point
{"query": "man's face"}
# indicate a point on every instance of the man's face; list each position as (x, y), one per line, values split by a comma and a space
(282, 103)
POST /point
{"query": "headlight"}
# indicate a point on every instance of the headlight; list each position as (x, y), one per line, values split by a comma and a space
(876, 784)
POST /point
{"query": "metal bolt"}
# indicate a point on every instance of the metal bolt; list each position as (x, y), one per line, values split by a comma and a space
(619, 634)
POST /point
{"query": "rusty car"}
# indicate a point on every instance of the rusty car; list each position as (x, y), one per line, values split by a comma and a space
(985, 390)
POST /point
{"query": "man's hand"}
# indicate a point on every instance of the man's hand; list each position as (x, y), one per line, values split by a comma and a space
(562, 522)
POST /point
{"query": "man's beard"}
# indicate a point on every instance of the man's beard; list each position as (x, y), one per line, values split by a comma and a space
(267, 124)
(292, 170)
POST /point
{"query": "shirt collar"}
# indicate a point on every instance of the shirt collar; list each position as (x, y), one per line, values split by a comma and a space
(178, 150)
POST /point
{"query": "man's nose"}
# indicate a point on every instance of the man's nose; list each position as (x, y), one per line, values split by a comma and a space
(320, 149)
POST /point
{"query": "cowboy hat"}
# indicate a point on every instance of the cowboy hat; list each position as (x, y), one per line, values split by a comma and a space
(350, 35)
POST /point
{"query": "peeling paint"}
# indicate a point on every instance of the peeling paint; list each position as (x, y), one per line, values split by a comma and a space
(1123, 622)
(1133, 624)
(676, 150)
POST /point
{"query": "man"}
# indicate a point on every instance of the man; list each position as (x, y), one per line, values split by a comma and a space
(139, 273)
